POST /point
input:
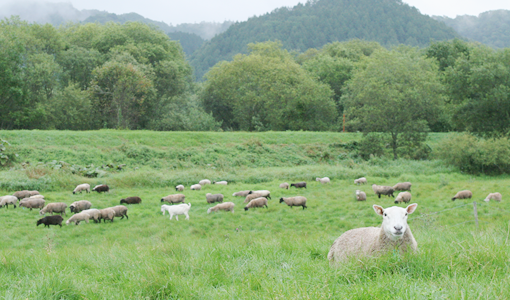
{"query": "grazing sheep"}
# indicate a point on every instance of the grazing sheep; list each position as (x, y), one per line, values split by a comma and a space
(106, 214)
(301, 184)
(176, 210)
(179, 188)
(174, 198)
(204, 182)
(361, 196)
(403, 197)
(6, 200)
(383, 190)
(258, 202)
(78, 206)
(492, 196)
(131, 200)
(93, 213)
(294, 201)
(22, 194)
(50, 220)
(361, 180)
(323, 180)
(213, 198)
(284, 185)
(82, 187)
(195, 187)
(220, 182)
(465, 194)
(33, 193)
(101, 188)
(252, 196)
(36, 196)
(226, 206)
(264, 193)
(77, 218)
(32, 203)
(394, 234)
(56, 207)
(241, 193)
(120, 211)
(402, 186)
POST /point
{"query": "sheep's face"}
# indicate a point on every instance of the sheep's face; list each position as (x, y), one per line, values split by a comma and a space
(395, 219)
(281, 200)
(41, 212)
(209, 211)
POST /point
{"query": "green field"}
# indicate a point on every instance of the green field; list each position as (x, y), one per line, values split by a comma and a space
(275, 253)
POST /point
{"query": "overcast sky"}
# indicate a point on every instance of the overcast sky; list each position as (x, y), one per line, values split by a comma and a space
(194, 11)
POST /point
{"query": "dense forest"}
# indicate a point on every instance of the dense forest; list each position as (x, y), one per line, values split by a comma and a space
(316, 23)
(490, 28)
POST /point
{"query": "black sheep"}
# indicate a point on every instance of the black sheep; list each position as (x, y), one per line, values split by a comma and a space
(101, 188)
(301, 184)
(51, 220)
(131, 200)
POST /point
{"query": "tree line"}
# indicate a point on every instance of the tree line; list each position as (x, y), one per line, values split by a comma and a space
(91, 76)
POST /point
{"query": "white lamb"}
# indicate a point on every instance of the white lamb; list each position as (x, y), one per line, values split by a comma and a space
(181, 209)
(394, 234)
(323, 180)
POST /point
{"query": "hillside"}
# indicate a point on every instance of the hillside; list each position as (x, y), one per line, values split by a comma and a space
(389, 22)
(491, 28)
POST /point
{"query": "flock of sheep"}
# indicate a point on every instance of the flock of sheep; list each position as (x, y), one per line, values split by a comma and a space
(393, 233)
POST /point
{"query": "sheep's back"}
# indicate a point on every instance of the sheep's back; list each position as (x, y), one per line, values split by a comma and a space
(354, 242)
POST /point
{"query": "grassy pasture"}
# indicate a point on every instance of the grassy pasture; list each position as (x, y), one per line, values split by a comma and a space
(275, 253)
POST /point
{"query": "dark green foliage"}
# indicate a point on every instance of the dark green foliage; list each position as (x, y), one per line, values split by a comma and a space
(87, 76)
(397, 93)
(476, 155)
(372, 145)
(491, 28)
(478, 86)
(317, 23)
(189, 41)
(267, 90)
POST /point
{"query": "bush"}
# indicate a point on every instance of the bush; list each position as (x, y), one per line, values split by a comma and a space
(476, 155)
(372, 144)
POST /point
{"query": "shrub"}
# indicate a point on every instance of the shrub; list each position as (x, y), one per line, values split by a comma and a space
(476, 155)
(371, 145)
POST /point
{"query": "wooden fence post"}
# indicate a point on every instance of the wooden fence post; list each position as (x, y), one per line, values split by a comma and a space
(476, 213)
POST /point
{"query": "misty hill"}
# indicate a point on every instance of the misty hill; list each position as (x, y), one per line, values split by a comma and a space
(190, 35)
(53, 13)
(316, 23)
(491, 28)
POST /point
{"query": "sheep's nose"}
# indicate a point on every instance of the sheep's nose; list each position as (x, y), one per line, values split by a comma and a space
(398, 228)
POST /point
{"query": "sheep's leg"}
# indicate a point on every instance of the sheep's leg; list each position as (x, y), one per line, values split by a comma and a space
(58, 224)
(171, 215)
(127, 216)
(187, 216)
(379, 196)
(177, 217)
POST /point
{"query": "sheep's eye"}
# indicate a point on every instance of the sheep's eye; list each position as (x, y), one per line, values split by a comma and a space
(406, 214)
(385, 215)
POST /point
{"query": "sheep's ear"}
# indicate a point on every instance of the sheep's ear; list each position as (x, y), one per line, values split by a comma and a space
(411, 208)
(378, 209)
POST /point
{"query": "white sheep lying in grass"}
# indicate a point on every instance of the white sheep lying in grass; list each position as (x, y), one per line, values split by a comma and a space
(393, 234)
(181, 209)
(491, 196)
